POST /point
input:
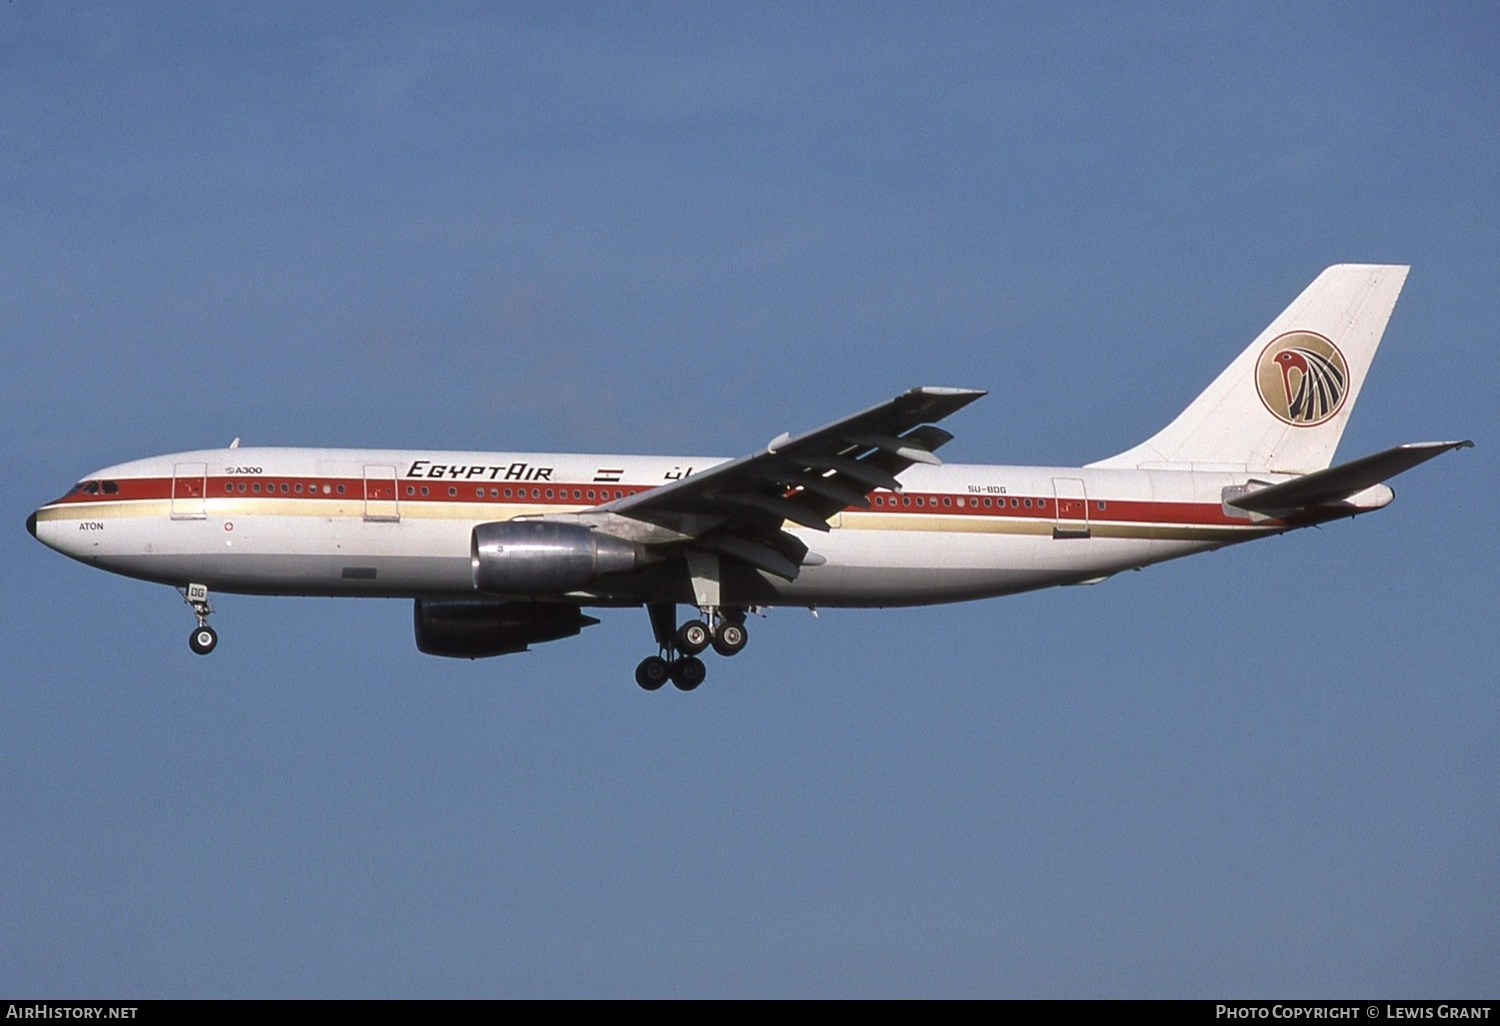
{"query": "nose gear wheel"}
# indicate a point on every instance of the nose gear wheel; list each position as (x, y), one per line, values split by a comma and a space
(204, 638)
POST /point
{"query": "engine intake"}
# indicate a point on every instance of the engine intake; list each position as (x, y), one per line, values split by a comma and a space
(476, 628)
(541, 557)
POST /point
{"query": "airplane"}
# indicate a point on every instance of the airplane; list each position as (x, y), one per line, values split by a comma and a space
(500, 551)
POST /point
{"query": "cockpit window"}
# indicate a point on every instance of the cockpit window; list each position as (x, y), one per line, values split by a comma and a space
(91, 488)
(110, 488)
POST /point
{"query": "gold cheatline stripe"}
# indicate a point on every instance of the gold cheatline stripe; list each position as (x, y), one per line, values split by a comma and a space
(997, 525)
(130, 509)
(476, 511)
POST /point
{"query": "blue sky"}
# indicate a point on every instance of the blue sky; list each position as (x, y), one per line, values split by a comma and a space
(1268, 771)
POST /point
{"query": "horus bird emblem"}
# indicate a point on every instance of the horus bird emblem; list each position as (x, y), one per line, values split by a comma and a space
(1314, 393)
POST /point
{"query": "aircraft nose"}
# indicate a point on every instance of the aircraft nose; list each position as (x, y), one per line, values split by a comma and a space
(31, 524)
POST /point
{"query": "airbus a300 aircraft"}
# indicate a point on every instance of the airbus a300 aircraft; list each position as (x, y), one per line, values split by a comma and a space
(504, 550)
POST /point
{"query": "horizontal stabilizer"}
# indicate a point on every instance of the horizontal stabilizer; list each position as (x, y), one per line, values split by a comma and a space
(1344, 480)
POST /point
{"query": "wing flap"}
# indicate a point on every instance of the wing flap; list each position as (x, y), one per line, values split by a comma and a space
(783, 509)
(761, 557)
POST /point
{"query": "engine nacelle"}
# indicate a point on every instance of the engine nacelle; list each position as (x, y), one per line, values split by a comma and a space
(476, 628)
(542, 557)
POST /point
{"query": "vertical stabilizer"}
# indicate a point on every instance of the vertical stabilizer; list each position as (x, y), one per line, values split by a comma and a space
(1282, 405)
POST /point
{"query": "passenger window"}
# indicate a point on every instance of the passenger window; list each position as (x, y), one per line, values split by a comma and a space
(452, 491)
(229, 486)
(341, 489)
(285, 488)
(424, 489)
(948, 502)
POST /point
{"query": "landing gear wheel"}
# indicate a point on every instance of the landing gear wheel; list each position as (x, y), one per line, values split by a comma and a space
(652, 673)
(692, 637)
(203, 639)
(688, 672)
(729, 639)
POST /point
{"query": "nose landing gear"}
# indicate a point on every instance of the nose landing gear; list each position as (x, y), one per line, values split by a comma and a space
(204, 638)
(677, 661)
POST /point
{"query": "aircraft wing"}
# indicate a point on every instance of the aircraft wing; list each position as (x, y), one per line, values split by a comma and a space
(738, 508)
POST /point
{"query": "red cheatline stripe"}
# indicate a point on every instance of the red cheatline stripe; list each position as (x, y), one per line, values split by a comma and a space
(408, 490)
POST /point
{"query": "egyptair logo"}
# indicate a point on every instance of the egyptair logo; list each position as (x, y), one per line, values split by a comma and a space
(1302, 378)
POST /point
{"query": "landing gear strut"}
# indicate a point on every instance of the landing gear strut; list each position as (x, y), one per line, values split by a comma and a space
(677, 659)
(204, 638)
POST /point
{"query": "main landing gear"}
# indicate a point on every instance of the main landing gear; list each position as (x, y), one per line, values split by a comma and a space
(204, 638)
(677, 660)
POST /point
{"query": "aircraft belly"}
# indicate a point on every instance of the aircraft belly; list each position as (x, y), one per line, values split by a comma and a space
(878, 568)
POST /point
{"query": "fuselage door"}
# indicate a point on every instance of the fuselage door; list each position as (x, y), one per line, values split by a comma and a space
(380, 494)
(189, 488)
(1072, 508)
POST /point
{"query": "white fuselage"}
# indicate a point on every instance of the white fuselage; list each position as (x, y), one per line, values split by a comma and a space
(399, 523)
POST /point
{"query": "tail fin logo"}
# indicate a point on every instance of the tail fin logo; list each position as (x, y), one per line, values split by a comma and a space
(1302, 378)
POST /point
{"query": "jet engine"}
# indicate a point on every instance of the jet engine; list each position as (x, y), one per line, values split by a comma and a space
(476, 628)
(541, 557)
